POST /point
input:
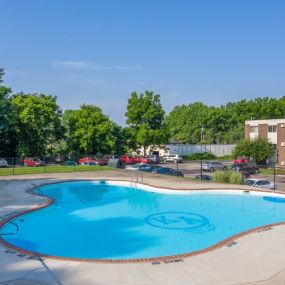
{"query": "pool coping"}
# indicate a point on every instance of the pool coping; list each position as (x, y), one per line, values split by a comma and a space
(135, 260)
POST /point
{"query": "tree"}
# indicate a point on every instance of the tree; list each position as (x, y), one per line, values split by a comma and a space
(146, 119)
(224, 124)
(37, 123)
(89, 131)
(7, 134)
(259, 149)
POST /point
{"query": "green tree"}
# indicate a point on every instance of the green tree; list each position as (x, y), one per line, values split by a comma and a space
(7, 133)
(37, 123)
(224, 124)
(89, 131)
(146, 119)
(259, 149)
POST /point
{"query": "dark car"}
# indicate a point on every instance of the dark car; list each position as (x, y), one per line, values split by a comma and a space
(204, 177)
(149, 168)
(246, 167)
(168, 171)
(69, 163)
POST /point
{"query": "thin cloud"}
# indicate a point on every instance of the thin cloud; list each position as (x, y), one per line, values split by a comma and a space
(91, 65)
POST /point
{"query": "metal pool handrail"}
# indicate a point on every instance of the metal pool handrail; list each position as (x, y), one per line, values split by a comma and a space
(12, 223)
(135, 179)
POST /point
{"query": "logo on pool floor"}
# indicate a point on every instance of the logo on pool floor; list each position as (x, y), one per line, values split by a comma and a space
(177, 220)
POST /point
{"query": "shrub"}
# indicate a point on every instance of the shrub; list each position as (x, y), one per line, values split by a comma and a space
(199, 156)
(221, 176)
(226, 157)
(235, 177)
(231, 177)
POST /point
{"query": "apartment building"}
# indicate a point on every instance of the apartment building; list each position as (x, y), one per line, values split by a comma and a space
(272, 130)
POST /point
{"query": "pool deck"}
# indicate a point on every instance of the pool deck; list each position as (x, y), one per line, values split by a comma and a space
(255, 259)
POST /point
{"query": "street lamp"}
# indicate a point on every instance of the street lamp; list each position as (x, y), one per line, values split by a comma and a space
(274, 169)
(201, 169)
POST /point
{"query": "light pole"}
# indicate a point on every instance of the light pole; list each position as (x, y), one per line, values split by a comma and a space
(274, 169)
(201, 169)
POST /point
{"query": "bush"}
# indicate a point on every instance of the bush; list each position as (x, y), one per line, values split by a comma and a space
(221, 176)
(235, 177)
(231, 177)
(199, 156)
(226, 157)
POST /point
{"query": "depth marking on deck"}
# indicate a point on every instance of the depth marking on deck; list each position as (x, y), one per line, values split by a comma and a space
(167, 261)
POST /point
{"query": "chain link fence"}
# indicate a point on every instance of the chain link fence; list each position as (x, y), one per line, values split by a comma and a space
(49, 164)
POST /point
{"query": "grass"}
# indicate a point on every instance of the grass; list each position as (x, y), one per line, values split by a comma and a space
(50, 169)
(270, 171)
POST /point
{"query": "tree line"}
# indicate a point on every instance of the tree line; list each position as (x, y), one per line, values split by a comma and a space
(199, 123)
(35, 125)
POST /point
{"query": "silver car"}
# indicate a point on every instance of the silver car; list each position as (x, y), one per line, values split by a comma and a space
(213, 165)
(3, 163)
(261, 183)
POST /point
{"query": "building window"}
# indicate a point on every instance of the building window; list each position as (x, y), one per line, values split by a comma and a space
(253, 129)
(272, 129)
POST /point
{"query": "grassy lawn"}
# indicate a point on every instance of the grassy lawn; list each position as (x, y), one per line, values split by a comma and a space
(50, 169)
(270, 171)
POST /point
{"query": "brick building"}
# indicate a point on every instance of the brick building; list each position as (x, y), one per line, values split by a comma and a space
(272, 130)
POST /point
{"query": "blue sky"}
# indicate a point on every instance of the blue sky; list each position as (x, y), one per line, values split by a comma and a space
(98, 52)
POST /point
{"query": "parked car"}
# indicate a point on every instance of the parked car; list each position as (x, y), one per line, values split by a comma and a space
(240, 160)
(89, 159)
(85, 159)
(154, 159)
(133, 166)
(69, 163)
(261, 183)
(213, 165)
(102, 160)
(246, 167)
(173, 158)
(89, 163)
(168, 171)
(149, 168)
(127, 159)
(142, 159)
(33, 162)
(3, 163)
(204, 177)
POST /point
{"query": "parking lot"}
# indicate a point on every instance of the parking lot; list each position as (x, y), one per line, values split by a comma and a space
(192, 168)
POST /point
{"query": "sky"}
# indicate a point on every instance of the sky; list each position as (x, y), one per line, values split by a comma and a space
(98, 52)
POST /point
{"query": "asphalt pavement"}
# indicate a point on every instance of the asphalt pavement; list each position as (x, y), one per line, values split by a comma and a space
(192, 168)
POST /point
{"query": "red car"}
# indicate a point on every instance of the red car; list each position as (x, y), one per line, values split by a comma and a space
(89, 159)
(102, 160)
(84, 160)
(240, 160)
(145, 160)
(33, 162)
(127, 159)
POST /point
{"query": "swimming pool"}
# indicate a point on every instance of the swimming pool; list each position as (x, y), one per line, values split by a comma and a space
(112, 221)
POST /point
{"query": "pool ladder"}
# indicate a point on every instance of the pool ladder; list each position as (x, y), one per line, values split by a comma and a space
(138, 177)
(12, 223)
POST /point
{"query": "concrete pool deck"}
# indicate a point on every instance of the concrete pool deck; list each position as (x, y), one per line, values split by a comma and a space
(257, 258)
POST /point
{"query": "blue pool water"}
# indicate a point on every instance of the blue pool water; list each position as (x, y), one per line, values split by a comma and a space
(99, 220)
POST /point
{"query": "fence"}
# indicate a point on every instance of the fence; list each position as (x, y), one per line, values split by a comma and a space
(216, 149)
(48, 164)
